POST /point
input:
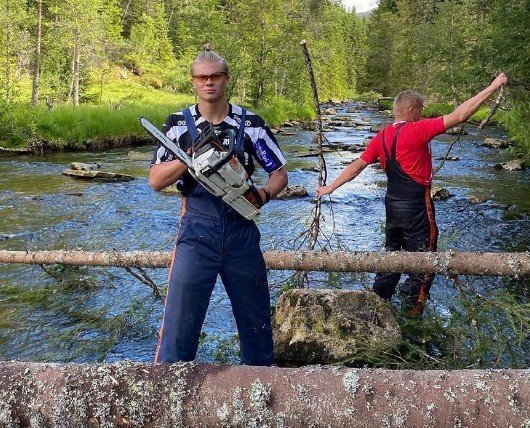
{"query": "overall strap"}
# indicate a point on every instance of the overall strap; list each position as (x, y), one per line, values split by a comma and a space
(241, 132)
(394, 140)
(383, 142)
(190, 123)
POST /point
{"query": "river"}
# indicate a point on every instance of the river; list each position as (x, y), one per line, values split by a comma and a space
(93, 314)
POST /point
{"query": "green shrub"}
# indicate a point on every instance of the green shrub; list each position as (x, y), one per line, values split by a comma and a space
(370, 97)
(517, 122)
(278, 110)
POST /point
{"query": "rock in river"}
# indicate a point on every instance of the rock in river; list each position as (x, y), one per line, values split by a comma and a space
(514, 165)
(329, 111)
(291, 192)
(98, 175)
(80, 166)
(440, 193)
(495, 143)
(326, 326)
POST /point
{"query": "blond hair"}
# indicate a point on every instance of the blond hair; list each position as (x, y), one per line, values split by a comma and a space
(208, 55)
(406, 99)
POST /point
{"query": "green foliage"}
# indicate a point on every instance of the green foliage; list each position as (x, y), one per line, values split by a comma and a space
(449, 51)
(479, 332)
(437, 109)
(14, 46)
(158, 40)
(369, 96)
(150, 47)
(278, 110)
(517, 120)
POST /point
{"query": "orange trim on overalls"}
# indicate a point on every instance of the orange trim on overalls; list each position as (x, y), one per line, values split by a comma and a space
(427, 279)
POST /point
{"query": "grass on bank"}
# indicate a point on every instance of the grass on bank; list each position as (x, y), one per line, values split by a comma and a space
(66, 127)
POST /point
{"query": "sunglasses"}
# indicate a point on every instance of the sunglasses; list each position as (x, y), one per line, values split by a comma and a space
(214, 77)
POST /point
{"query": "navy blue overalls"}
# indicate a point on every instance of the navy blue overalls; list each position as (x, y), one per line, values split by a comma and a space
(213, 239)
(410, 226)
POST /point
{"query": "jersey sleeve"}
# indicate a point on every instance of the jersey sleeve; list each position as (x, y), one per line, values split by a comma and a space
(266, 150)
(427, 129)
(371, 153)
(173, 129)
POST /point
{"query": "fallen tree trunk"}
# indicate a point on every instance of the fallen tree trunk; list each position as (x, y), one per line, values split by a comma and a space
(144, 395)
(495, 264)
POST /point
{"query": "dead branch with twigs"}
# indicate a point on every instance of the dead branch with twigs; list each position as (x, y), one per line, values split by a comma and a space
(314, 228)
(498, 101)
(312, 233)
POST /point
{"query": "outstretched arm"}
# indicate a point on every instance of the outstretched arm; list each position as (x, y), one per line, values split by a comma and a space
(465, 110)
(349, 173)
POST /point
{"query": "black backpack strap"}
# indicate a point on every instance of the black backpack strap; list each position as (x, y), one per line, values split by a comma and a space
(190, 123)
(241, 132)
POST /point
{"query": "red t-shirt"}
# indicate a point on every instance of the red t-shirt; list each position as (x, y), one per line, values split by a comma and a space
(413, 152)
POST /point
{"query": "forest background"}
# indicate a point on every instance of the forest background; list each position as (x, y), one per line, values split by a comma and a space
(75, 71)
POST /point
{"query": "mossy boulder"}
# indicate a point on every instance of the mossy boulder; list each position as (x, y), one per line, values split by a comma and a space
(440, 193)
(514, 165)
(329, 326)
(292, 192)
(495, 143)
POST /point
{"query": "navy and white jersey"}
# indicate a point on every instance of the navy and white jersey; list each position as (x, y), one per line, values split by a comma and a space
(259, 142)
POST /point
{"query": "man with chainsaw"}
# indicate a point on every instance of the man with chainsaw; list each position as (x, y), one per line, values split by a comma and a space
(403, 149)
(214, 238)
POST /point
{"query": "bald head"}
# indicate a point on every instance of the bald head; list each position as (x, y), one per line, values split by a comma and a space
(407, 104)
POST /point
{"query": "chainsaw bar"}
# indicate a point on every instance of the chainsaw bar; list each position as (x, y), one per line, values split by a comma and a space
(167, 143)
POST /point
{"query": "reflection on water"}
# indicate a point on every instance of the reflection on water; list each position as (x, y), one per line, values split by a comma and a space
(40, 209)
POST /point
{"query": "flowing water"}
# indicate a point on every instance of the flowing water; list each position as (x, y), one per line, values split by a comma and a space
(93, 314)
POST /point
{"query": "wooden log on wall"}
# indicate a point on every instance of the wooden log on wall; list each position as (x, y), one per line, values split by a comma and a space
(193, 395)
(494, 264)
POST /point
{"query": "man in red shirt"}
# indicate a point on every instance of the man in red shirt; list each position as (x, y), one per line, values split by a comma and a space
(403, 148)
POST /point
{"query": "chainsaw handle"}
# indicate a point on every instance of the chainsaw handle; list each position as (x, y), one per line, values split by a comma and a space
(230, 153)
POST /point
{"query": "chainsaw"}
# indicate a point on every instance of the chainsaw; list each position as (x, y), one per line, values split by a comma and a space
(214, 167)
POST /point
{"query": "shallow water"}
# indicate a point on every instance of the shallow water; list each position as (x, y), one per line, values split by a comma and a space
(40, 209)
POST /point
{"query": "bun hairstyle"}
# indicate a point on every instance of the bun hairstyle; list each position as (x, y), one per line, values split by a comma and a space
(208, 55)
